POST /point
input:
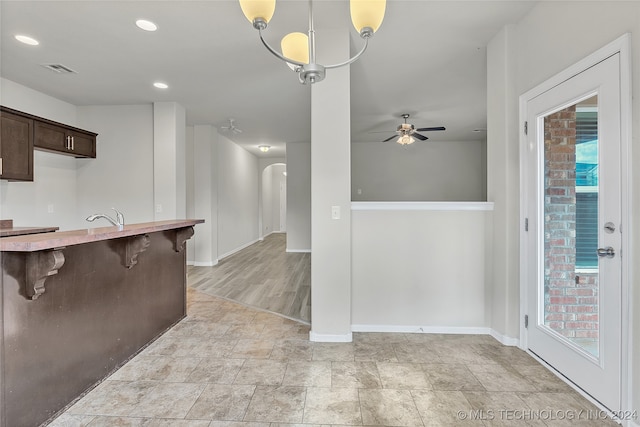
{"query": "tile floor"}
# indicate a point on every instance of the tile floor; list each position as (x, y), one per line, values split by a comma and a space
(230, 365)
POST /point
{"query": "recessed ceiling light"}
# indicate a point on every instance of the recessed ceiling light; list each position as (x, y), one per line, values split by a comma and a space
(27, 40)
(161, 85)
(143, 24)
(264, 148)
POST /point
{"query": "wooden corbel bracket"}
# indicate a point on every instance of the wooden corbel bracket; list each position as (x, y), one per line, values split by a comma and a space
(39, 266)
(182, 235)
(135, 246)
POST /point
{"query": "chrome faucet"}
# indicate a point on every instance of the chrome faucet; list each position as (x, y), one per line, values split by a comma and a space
(118, 222)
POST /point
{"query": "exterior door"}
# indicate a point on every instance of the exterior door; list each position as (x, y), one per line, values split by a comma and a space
(573, 208)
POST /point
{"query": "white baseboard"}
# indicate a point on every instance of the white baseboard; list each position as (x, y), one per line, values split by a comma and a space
(190, 263)
(505, 340)
(315, 337)
(298, 251)
(422, 329)
(246, 245)
(204, 264)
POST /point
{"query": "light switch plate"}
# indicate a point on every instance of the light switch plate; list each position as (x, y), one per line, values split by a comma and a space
(335, 212)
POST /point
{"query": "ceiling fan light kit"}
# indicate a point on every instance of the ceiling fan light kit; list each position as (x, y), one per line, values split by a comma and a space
(407, 132)
(298, 49)
(405, 140)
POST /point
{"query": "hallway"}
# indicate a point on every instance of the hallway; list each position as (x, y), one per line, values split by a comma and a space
(263, 276)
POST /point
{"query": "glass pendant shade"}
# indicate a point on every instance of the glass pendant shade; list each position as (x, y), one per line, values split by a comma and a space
(406, 140)
(367, 13)
(296, 46)
(253, 9)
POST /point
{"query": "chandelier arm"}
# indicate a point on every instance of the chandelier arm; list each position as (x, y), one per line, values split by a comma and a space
(278, 54)
(342, 64)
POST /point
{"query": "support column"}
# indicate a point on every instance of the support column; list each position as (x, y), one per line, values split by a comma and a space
(331, 196)
(169, 160)
(503, 186)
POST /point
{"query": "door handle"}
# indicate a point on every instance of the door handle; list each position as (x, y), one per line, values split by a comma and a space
(608, 252)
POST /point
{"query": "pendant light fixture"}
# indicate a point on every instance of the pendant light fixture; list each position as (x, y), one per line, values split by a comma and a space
(298, 49)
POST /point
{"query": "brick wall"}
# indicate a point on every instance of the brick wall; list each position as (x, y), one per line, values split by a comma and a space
(571, 299)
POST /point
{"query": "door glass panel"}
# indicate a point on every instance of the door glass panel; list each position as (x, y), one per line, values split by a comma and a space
(571, 275)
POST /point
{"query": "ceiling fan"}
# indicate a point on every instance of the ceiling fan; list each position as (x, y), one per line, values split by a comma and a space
(407, 132)
(231, 128)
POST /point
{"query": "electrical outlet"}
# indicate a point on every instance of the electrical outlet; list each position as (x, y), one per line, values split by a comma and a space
(158, 208)
(50, 208)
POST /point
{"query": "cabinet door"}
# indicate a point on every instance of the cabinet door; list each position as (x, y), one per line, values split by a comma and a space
(16, 147)
(50, 137)
(83, 145)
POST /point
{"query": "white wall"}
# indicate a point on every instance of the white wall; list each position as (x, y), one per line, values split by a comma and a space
(272, 179)
(189, 155)
(169, 160)
(54, 185)
(299, 197)
(264, 164)
(277, 181)
(419, 270)
(204, 200)
(423, 171)
(282, 199)
(237, 197)
(267, 201)
(121, 175)
(543, 44)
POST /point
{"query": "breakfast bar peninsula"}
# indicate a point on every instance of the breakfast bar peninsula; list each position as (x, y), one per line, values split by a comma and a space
(78, 304)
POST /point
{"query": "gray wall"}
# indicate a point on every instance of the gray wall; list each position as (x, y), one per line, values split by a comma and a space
(423, 171)
(237, 197)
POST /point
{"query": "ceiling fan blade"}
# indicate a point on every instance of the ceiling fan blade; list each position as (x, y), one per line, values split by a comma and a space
(390, 138)
(420, 137)
(430, 129)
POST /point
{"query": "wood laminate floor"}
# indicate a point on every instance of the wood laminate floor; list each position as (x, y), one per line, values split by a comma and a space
(262, 275)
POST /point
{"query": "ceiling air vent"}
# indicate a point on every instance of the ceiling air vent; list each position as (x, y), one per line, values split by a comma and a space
(59, 68)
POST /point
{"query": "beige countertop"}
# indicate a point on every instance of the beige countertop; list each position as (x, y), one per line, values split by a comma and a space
(51, 240)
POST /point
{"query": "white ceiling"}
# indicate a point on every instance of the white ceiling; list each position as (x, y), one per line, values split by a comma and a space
(428, 59)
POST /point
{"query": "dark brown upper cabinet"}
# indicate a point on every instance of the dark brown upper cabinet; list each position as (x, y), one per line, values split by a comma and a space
(16, 147)
(50, 136)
